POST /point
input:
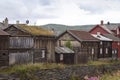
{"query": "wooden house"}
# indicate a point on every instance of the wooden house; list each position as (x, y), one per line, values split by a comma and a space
(4, 48)
(105, 46)
(30, 44)
(81, 42)
(109, 29)
(115, 46)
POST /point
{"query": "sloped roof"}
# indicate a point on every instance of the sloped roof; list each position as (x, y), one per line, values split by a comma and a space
(63, 50)
(34, 30)
(104, 27)
(82, 35)
(110, 36)
(3, 33)
(112, 26)
(102, 38)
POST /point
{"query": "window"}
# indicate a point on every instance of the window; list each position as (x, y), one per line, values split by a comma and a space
(113, 52)
(101, 43)
(118, 43)
(43, 53)
(100, 50)
(106, 50)
(92, 51)
(61, 57)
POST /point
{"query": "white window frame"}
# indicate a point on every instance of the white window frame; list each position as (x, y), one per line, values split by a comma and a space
(101, 43)
(106, 50)
(93, 51)
(101, 51)
(61, 57)
(43, 54)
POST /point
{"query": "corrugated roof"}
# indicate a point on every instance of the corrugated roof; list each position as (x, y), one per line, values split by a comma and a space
(82, 35)
(3, 33)
(63, 50)
(114, 38)
(102, 38)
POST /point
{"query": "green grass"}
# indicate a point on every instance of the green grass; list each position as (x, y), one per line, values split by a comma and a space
(37, 66)
(27, 70)
(30, 67)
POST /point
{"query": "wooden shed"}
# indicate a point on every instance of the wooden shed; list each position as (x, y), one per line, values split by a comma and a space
(64, 55)
(4, 48)
(30, 44)
(81, 42)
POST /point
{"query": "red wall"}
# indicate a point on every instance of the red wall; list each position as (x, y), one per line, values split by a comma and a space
(98, 29)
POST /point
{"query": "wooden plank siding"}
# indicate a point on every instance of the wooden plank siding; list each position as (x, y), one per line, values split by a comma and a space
(47, 44)
(4, 51)
(21, 42)
(20, 57)
(4, 42)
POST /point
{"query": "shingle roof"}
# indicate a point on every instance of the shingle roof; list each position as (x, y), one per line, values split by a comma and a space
(114, 38)
(82, 35)
(63, 50)
(3, 33)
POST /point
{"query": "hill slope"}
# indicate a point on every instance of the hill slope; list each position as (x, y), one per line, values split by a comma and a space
(61, 28)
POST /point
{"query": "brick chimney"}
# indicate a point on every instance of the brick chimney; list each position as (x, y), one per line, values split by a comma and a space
(6, 22)
(102, 22)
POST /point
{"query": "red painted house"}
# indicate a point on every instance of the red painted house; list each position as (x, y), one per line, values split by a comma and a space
(110, 31)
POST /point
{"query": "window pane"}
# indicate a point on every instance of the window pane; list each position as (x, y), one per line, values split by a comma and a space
(43, 53)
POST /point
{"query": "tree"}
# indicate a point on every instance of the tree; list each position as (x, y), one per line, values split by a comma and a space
(68, 44)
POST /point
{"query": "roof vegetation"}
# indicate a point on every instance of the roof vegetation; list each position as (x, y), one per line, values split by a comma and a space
(35, 30)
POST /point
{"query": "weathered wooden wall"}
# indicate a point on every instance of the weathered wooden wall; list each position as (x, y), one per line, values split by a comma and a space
(47, 44)
(4, 42)
(4, 52)
(21, 42)
(21, 57)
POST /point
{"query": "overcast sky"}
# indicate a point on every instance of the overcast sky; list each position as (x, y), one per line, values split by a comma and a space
(69, 12)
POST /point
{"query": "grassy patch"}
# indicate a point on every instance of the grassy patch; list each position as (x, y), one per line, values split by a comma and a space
(30, 67)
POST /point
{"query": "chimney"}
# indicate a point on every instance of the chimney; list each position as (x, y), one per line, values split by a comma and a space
(6, 22)
(102, 22)
(17, 22)
(118, 32)
(108, 23)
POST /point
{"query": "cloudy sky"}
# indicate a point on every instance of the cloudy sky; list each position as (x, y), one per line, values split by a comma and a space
(69, 12)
